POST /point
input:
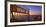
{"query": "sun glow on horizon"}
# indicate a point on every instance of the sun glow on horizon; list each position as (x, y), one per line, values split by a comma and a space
(34, 12)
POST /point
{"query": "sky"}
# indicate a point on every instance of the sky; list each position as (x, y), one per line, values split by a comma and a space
(33, 9)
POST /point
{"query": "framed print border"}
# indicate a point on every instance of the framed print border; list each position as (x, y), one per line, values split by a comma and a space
(23, 2)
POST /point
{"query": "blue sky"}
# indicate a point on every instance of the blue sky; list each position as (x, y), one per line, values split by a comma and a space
(32, 8)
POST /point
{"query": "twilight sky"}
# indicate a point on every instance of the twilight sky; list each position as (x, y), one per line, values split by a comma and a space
(33, 9)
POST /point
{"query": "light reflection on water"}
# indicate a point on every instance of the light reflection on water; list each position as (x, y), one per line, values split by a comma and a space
(27, 18)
